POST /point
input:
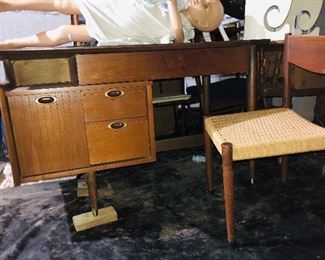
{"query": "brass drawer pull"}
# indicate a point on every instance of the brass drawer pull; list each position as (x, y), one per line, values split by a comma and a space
(117, 125)
(113, 93)
(46, 100)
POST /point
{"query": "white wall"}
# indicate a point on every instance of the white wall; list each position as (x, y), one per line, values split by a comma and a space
(24, 23)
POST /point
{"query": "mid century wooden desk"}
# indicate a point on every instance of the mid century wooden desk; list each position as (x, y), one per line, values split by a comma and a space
(66, 138)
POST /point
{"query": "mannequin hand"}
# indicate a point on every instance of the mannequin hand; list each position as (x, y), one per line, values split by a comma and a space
(6, 44)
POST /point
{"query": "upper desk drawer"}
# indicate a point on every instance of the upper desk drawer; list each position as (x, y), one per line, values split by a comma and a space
(115, 101)
(39, 71)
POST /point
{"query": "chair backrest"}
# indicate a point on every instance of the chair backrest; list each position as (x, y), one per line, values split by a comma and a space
(306, 52)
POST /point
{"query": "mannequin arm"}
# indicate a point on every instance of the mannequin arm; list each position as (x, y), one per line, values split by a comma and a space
(175, 21)
(61, 35)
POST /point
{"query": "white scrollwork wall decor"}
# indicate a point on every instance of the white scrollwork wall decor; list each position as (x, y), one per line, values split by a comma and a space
(272, 19)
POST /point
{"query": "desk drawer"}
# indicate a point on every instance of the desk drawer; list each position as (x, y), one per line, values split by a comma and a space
(114, 101)
(112, 141)
(40, 71)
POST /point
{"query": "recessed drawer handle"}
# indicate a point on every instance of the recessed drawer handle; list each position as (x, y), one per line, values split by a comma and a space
(117, 125)
(46, 100)
(114, 93)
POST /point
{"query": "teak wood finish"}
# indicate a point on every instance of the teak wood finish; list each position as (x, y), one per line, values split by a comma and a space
(48, 137)
(290, 134)
(64, 134)
(68, 134)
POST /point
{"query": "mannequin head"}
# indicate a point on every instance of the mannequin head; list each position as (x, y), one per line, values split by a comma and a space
(204, 15)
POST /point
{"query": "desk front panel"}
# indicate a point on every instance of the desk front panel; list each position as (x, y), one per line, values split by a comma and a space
(137, 66)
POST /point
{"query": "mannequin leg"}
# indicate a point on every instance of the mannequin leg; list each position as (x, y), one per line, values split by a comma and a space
(62, 6)
(61, 35)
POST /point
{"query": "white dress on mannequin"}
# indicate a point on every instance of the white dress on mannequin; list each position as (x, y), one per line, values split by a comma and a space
(113, 22)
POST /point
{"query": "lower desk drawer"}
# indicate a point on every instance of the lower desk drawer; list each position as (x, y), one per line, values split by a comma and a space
(119, 140)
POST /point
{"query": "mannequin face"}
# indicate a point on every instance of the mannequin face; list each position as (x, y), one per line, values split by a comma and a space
(205, 15)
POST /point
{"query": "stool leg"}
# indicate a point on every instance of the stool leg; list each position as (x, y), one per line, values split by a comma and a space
(208, 161)
(228, 186)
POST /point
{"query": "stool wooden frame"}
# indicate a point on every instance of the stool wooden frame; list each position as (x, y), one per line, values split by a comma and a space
(268, 132)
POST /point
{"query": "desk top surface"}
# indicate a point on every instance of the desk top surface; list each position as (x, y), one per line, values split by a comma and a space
(111, 64)
(66, 51)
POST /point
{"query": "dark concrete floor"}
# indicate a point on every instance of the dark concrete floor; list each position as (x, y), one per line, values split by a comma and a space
(165, 212)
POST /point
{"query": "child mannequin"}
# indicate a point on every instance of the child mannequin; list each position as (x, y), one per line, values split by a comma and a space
(120, 21)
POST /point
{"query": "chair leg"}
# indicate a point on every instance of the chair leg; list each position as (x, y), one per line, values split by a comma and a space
(175, 118)
(284, 169)
(208, 161)
(184, 123)
(191, 117)
(228, 186)
(251, 170)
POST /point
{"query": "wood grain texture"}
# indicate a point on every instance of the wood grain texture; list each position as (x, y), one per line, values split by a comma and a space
(54, 140)
(312, 50)
(88, 220)
(119, 67)
(103, 65)
(43, 71)
(130, 103)
(109, 145)
(9, 135)
(49, 137)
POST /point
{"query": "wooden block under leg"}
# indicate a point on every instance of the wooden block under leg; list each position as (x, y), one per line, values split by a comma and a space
(88, 220)
(82, 190)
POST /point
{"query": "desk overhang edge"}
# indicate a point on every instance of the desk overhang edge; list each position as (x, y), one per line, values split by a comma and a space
(70, 51)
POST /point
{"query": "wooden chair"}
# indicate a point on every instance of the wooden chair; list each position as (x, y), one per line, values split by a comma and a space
(268, 132)
(270, 76)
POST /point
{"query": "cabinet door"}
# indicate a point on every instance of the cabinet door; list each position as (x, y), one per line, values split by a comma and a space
(49, 131)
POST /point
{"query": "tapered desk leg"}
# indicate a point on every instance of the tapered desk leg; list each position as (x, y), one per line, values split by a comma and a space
(205, 95)
(92, 190)
(97, 216)
(251, 80)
